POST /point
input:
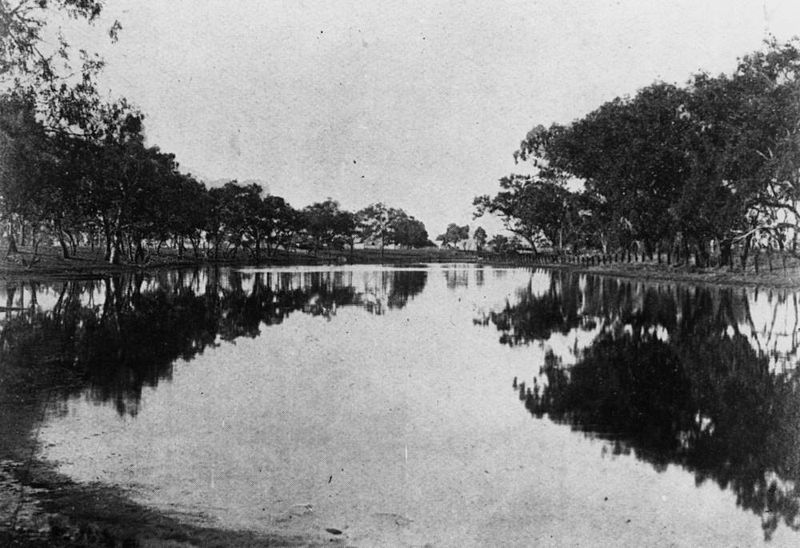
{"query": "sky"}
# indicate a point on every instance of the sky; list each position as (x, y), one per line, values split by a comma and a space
(419, 105)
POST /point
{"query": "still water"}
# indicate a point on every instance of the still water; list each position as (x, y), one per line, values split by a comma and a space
(447, 405)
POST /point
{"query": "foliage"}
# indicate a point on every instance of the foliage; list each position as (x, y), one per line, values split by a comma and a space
(480, 237)
(454, 235)
(714, 161)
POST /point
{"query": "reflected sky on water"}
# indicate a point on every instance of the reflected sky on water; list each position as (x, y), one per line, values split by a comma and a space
(445, 404)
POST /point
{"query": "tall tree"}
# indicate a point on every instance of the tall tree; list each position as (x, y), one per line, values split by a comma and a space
(529, 206)
(327, 225)
(409, 232)
(376, 223)
(480, 237)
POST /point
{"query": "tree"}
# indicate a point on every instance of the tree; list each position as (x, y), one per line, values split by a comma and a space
(64, 88)
(245, 216)
(480, 238)
(631, 154)
(281, 225)
(345, 225)
(756, 149)
(189, 207)
(409, 232)
(453, 235)
(716, 160)
(22, 153)
(499, 243)
(377, 222)
(327, 225)
(117, 170)
(528, 206)
(21, 42)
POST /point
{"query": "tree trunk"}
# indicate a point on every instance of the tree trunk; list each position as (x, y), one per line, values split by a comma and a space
(63, 243)
(755, 258)
(195, 247)
(113, 254)
(35, 243)
(12, 242)
(73, 244)
(746, 252)
(139, 256)
(116, 247)
(725, 256)
(61, 240)
(109, 240)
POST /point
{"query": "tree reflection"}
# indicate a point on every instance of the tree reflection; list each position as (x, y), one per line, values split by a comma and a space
(675, 376)
(117, 335)
(406, 284)
(535, 317)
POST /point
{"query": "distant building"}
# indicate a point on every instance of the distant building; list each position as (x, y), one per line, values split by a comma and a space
(373, 243)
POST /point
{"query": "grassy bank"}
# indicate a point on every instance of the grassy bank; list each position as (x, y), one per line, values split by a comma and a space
(778, 277)
(88, 263)
(783, 272)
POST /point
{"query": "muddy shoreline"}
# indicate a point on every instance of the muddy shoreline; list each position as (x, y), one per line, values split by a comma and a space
(41, 507)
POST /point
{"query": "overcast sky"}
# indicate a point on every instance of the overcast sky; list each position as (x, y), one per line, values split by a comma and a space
(416, 104)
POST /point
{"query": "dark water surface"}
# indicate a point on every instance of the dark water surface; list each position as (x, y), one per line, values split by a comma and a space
(449, 405)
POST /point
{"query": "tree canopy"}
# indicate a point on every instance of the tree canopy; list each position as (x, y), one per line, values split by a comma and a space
(715, 161)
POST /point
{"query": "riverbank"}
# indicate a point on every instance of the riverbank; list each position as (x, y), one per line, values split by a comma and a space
(89, 264)
(778, 277)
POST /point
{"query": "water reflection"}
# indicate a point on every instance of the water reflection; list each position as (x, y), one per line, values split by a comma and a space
(123, 333)
(701, 378)
(674, 375)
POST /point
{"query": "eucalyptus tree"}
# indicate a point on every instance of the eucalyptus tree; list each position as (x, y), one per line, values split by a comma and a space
(245, 216)
(118, 171)
(281, 223)
(529, 206)
(499, 243)
(454, 235)
(187, 204)
(28, 166)
(631, 157)
(409, 232)
(376, 223)
(480, 237)
(328, 225)
(24, 52)
(762, 152)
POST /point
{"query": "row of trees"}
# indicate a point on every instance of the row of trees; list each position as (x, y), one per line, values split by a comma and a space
(109, 188)
(75, 169)
(711, 165)
(455, 236)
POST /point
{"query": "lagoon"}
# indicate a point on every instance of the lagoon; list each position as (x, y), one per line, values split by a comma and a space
(443, 405)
